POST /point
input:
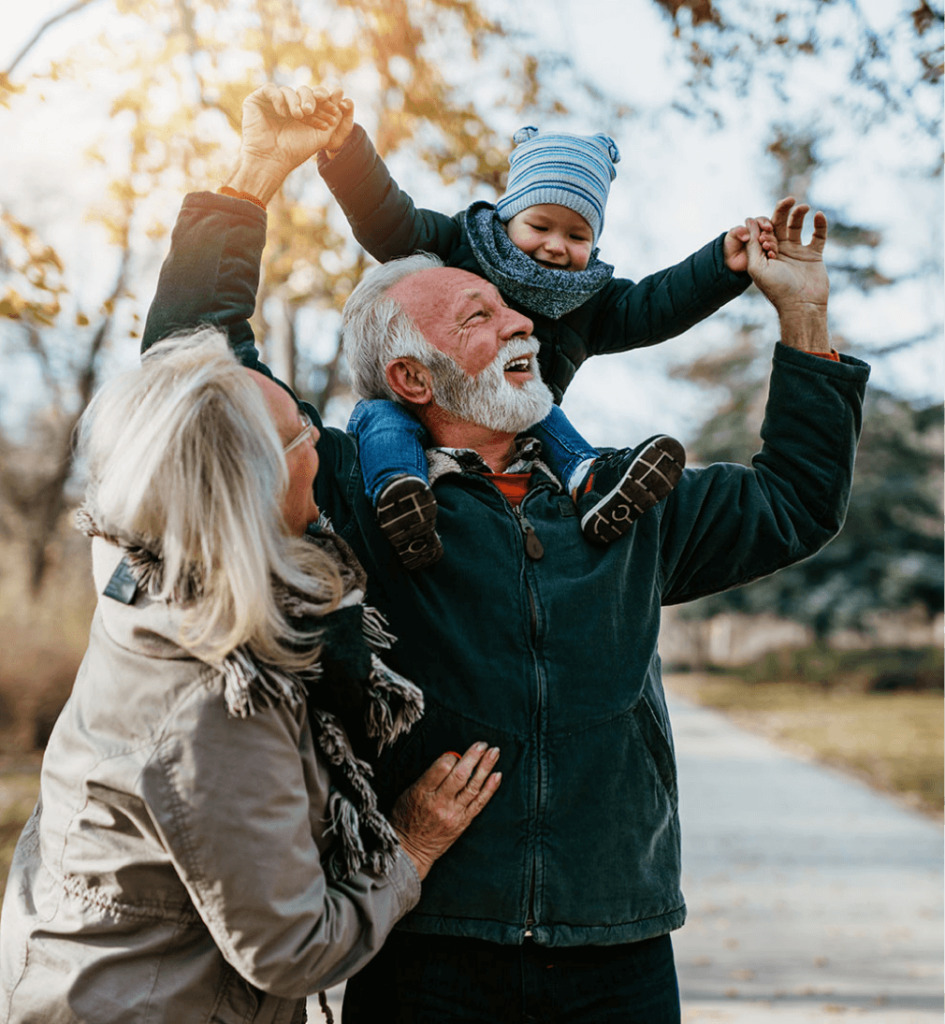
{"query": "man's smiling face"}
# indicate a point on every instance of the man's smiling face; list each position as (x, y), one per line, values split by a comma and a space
(490, 374)
(462, 315)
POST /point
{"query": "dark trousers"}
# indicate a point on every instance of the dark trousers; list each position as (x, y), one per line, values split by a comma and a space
(428, 979)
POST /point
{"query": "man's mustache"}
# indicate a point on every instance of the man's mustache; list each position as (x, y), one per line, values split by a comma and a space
(517, 348)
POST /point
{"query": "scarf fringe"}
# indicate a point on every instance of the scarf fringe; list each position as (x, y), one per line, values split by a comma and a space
(375, 629)
(364, 836)
(395, 704)
(249, 686)
(348, 853)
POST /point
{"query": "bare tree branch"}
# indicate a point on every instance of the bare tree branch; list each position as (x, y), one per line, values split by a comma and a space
(332, 371)
(66, 12)
(41, 501)
(905, 343)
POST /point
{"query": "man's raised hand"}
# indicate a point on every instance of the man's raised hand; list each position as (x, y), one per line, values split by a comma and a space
(794, 278)
(793, 273)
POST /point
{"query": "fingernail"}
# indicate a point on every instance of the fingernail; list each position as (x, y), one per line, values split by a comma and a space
(481, 746)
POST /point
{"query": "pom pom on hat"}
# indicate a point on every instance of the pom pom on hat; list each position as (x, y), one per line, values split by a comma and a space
(556, 167)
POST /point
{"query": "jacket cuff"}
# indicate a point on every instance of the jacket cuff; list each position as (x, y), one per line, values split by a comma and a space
(847, 368)
(236, 208)
(357, 147)
(405, 882)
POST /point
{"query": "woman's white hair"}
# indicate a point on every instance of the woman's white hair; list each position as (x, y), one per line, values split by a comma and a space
(376, 329)
(185, 460)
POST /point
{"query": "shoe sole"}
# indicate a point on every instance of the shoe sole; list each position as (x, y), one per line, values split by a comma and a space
(648, 480)
(406, 513)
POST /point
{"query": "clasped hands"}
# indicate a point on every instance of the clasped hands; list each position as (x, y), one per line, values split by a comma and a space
(282, 128)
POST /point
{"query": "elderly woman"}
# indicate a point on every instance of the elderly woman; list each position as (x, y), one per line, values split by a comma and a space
(207, 845)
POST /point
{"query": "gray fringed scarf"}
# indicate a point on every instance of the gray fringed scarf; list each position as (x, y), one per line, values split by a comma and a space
(527, 283)
(355, 701)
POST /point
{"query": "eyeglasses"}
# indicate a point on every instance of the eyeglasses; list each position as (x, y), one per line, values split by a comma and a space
(303, 435)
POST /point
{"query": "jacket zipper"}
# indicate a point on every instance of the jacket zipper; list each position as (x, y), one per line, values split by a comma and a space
(534, 550)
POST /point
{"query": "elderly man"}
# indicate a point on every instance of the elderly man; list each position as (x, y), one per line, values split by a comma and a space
(559, 900)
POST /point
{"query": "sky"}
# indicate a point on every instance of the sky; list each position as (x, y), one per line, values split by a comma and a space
(680, 183)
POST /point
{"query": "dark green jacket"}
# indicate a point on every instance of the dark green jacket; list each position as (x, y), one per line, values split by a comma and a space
(554, 659)
(621, 316)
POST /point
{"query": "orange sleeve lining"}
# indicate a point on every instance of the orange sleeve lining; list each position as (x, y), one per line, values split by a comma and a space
(225, 190)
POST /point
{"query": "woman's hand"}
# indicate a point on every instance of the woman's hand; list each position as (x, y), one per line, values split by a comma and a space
(282, 128)
(435, 811)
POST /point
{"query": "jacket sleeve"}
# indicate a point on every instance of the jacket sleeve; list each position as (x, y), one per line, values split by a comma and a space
(665, 304)
(211, 273)
(210, 276)
(727, 524)
(383, 218)
(241, 807)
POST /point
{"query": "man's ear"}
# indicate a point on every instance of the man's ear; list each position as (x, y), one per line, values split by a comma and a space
(410, 380)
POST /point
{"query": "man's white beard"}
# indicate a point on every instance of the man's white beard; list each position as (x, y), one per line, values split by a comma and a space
(488, 399)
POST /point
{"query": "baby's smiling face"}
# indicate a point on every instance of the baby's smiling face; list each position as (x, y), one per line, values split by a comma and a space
(552, 235)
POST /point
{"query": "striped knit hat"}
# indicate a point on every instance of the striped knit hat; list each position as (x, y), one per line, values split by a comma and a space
(556, 167)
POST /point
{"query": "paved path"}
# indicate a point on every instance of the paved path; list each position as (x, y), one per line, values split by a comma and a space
(812, 899)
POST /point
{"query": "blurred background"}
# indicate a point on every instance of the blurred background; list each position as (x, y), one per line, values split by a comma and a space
(110, 110)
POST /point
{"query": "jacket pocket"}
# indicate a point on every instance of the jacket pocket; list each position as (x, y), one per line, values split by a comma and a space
(657, 746)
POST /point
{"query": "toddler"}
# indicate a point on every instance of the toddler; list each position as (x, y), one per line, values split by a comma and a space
(538, 245)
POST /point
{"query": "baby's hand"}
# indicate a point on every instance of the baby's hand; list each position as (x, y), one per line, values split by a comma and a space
(735, 245)
(343, 129)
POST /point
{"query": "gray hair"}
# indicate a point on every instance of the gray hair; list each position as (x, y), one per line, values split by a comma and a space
(376, 329)
(185, 460)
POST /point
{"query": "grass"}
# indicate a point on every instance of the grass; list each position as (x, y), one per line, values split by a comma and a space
(871, 668)
(891, 739)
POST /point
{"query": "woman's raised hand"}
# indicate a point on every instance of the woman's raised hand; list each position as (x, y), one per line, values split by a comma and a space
(282, 127)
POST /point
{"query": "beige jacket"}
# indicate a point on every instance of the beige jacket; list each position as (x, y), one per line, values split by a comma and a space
(171, 871)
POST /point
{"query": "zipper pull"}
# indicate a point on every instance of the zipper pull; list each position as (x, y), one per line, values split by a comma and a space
(533, 546)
